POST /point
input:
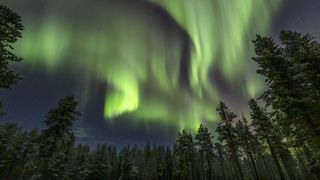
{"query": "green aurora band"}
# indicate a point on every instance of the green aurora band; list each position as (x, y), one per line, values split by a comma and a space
(132, 51)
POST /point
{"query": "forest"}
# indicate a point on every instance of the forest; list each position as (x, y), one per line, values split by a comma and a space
(280, 139)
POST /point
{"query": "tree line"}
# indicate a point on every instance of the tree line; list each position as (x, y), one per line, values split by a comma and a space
(279, 140)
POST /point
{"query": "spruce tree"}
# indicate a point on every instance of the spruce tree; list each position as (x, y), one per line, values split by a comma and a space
(11, 147)
(128, 166)
(227, 135)
(185, 153)
(204, 141)
(247, 141)
(57, 139)
(100, 163)
(10, 31)
(221, 153)
(263, 128)
(80, 162)
(168, 163)
(292, 77)
(29, 162)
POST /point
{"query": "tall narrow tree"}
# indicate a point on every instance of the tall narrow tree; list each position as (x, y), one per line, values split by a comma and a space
(263, 128)
(57, 138)
(185, 153)
(227, 135)
(246, 141)
(220, 152)
(292, 75)
(204, 141)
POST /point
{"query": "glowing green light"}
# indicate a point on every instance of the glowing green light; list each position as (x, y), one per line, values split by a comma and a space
(138, 57)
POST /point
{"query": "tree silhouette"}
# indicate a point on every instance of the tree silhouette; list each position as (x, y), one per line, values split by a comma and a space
(204, 141)
(292, 76)
(10, 31)
(248, 142)
(57, 139)
(227, 134)
(185, 152)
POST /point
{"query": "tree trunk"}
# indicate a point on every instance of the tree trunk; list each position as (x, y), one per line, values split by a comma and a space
(222, 166)
(314, 169)
(192, 171)
(22, 173)
(255, 172)
(306, 171)
(209, 166)
(239, 170)
(274, 156)
(202, 168)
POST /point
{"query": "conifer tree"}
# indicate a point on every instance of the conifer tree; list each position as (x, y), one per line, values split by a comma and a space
(57, 139)
(29, 162)
(185, 152)
(247, 141)
(168, 163)
(11, 147)
(128, 167)
(100, 166)
(204, 141)
(220, 152)
(80, 168)
(292, 76)
(227, 135)
(10, 31)
(263, 128)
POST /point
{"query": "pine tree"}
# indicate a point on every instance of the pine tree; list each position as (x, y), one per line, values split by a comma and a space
(263, 128)
(204, 141)
(113, 162)
(149, 171)
(283, 144)
(11, 148)
(220, 152)
(11, 138)
(128, 167)
(168, 163)
(10, 31)
(57, 138)
(29, 162)
(100, 163)
(292, 75)
(79, 165)
(247, 141)
(303, 51)
(227, 135)
(184, 153)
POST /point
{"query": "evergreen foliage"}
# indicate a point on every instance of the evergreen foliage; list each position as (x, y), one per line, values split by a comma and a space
(10, 31)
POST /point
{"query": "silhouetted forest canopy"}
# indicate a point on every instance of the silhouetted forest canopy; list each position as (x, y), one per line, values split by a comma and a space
(280, 140)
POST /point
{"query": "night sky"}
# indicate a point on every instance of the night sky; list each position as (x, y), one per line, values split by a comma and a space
(142, 70)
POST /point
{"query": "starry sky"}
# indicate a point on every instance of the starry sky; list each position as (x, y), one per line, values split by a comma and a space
(142, 70)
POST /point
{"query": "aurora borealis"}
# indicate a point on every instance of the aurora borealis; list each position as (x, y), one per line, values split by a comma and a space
(166, 62)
